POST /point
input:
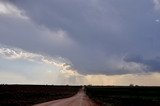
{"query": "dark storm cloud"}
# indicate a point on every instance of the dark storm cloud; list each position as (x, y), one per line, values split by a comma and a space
(134, 58)
(97, 29)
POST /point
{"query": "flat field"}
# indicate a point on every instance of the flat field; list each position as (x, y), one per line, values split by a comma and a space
(27, 95)
(124, 95)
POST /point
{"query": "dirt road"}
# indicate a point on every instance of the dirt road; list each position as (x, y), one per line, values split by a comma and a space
(80, 99)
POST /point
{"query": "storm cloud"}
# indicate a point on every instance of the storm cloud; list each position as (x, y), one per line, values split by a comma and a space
(94, 35)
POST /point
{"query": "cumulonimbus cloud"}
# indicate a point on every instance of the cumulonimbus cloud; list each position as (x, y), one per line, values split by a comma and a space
(88, 33)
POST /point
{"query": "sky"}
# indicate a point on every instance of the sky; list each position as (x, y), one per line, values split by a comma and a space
(98, 42)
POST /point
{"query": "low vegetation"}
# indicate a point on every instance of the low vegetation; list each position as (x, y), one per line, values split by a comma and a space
(124, 95)
(27, 95)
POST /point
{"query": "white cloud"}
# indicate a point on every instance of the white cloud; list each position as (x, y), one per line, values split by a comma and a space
(123, 67)
(44, 72)
(15, 53)
(57, 36)
(156, 4)
(157, 21)
(131, 67)
(44, 69)
(7, 8)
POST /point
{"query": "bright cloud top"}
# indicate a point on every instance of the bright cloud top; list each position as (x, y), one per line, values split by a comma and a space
(14, 53)
(42, 65)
